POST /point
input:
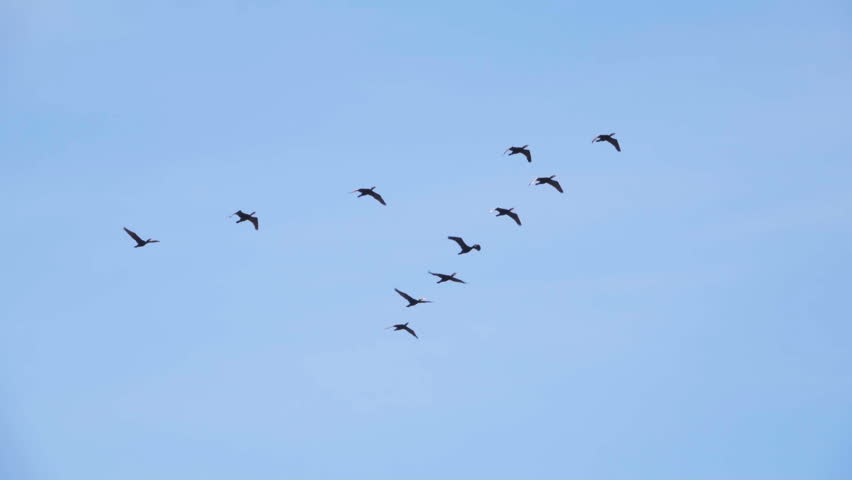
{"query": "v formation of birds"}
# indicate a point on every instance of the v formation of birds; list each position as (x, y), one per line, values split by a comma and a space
(465, 248)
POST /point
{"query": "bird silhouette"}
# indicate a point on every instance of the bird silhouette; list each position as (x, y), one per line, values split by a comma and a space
(139, 241)
(508, 212)
(447, 278)
(608, 138)
(464, 247)
(247, 216)
(371, 192)
(523, 150)
(548, 180)
(411, 300)
(402, 326)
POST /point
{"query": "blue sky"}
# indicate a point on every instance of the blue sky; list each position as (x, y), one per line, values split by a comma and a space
(680, 312)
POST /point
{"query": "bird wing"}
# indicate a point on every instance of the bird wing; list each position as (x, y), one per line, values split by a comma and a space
(454, 279)
(439, 275)
(555, 184)
(458, 240)
(409, 330)
(515, 217)
(405, 295)
(507, 150)
(528, 155)
(614, 143)
(254, 221)
(133, 235)
(376, 196)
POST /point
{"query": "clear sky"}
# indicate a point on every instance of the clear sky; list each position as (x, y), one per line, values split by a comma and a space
(682, 311)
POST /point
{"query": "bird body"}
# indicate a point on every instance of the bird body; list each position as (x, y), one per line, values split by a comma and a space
(464, 247)
(608, 138)
(509, 213)
(138, 239)
(549, 181)
(447, 278)
(247, 217)
(371, 192)
(403, 326)
(522, 150)
(411, 300)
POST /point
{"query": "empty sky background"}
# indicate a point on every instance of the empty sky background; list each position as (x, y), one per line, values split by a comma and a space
(682, 311)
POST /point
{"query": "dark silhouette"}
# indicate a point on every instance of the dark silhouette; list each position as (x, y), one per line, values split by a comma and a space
(608, 138)
(447, 278)
(508, 212)
(548, 180)
(370, 192)
(247, 216)
(517, 150)
(139, 241)
(464, 247)
(411, 300)
(402, 326)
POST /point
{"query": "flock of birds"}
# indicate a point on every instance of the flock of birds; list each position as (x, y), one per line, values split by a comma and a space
(465, 248)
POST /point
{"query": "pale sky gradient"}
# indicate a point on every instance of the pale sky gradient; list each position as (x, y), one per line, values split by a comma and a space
(682, 311)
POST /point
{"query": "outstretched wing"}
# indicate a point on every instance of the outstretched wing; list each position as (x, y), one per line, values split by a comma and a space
(514, 217)
(555, 185)
(254, 221)
(439, 275)
(457, 280)
(458, 240)
(409, 330)
(376, 196)
(614, 143)
(133, 235)
(527, 154)
(405, 295)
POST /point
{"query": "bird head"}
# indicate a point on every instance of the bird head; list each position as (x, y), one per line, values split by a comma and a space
(477, 247)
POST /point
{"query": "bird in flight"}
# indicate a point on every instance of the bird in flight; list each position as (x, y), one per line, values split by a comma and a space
(447, 278)
(402, 326)
(508, 212)
(464, 247)
(139, 241)
(411, 300)
(608, 138)
(547, 180)
(371, 192)
(247, 216)
(517, 150)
